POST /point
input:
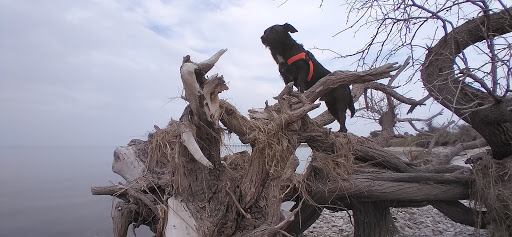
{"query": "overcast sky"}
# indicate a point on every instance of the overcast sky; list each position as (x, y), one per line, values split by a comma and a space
(104, 72)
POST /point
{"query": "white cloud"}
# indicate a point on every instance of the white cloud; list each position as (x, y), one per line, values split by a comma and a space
(103, 72)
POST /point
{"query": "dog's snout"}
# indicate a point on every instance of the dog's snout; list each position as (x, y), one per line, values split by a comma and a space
(264, 39)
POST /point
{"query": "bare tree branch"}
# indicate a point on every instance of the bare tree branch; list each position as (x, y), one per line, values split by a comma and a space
(456, 95)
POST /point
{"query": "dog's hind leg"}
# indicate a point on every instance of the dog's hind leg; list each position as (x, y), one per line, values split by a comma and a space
(334, 109)
(337, 102)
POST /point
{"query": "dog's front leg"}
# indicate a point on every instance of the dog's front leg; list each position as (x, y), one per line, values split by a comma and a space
(301, 75)
(283, 70)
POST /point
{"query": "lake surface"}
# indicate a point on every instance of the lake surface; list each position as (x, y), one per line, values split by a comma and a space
(46, 191)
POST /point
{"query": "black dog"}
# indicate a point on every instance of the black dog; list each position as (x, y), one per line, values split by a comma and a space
(300, 66)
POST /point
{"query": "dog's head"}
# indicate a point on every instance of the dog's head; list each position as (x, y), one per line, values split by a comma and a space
(277, 35)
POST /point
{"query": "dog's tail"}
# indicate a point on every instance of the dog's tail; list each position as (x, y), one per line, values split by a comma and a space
(351, 104)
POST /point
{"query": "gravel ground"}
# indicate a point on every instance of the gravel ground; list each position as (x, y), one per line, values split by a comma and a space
(425, 221)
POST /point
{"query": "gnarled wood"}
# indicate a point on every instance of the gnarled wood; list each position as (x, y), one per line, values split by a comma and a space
(242, 194)
(470, 104)
(202, 94)
(127, 162)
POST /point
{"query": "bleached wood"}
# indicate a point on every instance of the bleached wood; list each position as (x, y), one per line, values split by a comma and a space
(203, 99)
(208, 64)
(188, 140)
(211, 90)
(127, 164)
(179, 220)
(190, 85)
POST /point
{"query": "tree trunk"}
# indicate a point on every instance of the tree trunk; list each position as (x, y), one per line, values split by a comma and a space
(373, 219)
(493, 122)
(387, 122)
(490, 117)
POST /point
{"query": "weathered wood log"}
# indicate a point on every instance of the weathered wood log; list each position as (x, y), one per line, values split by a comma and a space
(324, 118)
(460, 213)
(179, 220)
(193, 193)
(364, 189)
(122, 217)
(324, 141)
(132, 192)
(418, 177)
(337, 78)
(199, 186)
(127, 162)
(454, 151)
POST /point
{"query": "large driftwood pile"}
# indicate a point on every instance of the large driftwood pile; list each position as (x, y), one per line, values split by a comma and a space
(178, 184)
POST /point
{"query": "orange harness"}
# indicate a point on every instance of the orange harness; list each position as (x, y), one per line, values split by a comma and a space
(302, 56)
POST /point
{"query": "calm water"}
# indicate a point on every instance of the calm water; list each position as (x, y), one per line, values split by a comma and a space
(45, 191)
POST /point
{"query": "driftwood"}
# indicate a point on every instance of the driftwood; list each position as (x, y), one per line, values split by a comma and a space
(127, 162)
(454, 151)
(178, 184)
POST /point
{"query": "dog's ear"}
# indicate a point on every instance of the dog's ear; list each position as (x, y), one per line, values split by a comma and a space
(290, 28)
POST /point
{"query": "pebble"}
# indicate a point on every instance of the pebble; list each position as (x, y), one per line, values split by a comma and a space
(411, 222)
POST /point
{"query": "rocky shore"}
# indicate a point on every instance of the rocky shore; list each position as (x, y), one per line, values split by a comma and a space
(425, 221)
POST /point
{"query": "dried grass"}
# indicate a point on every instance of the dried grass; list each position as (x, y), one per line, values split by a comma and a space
(236, 163)
(162, 148)
(493, 189)
(274, 145)
(327, 167)
(335, 166)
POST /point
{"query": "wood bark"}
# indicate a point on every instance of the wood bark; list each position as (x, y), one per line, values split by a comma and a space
(460, 213)
(372, 218)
